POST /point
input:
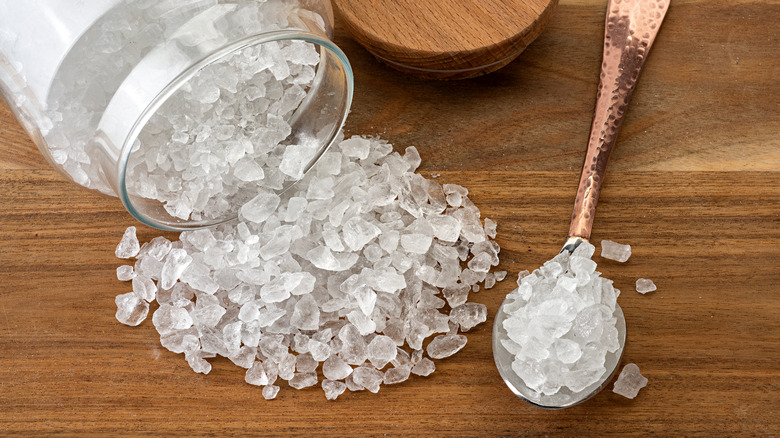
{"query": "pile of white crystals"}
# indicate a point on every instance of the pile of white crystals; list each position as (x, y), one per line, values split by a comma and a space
(346, 277)
(561, 324)
(222, 135)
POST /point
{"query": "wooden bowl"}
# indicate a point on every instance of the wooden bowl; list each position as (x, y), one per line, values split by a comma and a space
(445, 39)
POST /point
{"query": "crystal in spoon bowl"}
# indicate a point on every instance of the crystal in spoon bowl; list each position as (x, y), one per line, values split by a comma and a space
(564, 398)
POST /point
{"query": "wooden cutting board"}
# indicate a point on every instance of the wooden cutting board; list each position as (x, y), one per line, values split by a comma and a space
(445, 39)
(693, 186)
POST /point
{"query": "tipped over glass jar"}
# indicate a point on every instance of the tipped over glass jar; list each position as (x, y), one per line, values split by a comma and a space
(184, 109)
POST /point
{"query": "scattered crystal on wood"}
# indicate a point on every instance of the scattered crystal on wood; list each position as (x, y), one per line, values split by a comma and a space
(270, 392)
(445, 346)
(630, 381)
(469, 315)
(128, 247)
(125, 273)
(131, 309)
(615, 251)
(424, 368)
(333, 388)
(644, 285)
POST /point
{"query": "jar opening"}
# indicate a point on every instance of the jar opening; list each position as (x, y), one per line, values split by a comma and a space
(250, 118)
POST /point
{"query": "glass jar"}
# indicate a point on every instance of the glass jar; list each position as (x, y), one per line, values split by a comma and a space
(184, 109)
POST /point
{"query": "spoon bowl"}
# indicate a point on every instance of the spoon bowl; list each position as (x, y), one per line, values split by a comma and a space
(564, 398)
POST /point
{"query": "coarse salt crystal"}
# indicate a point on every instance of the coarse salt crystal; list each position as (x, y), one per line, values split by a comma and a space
(644, 285)
(630, 381)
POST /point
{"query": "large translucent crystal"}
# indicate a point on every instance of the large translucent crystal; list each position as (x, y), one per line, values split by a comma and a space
(644, 285)
(630, 381)
(130, 309)
(445, 346)
(128, 246)
(333, 389)
(615, 251)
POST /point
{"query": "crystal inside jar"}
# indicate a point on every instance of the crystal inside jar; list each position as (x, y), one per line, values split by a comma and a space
(184, 110)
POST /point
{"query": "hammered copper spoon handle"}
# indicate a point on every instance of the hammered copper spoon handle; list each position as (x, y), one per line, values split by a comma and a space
(631, 28)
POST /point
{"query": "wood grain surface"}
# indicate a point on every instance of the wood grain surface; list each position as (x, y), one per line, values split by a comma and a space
(694, 187)
(445, 39)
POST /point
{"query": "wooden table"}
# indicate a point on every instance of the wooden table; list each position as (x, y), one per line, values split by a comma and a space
(694, 187)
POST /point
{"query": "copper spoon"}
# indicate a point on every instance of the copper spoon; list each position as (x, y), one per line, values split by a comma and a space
(631, 28)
